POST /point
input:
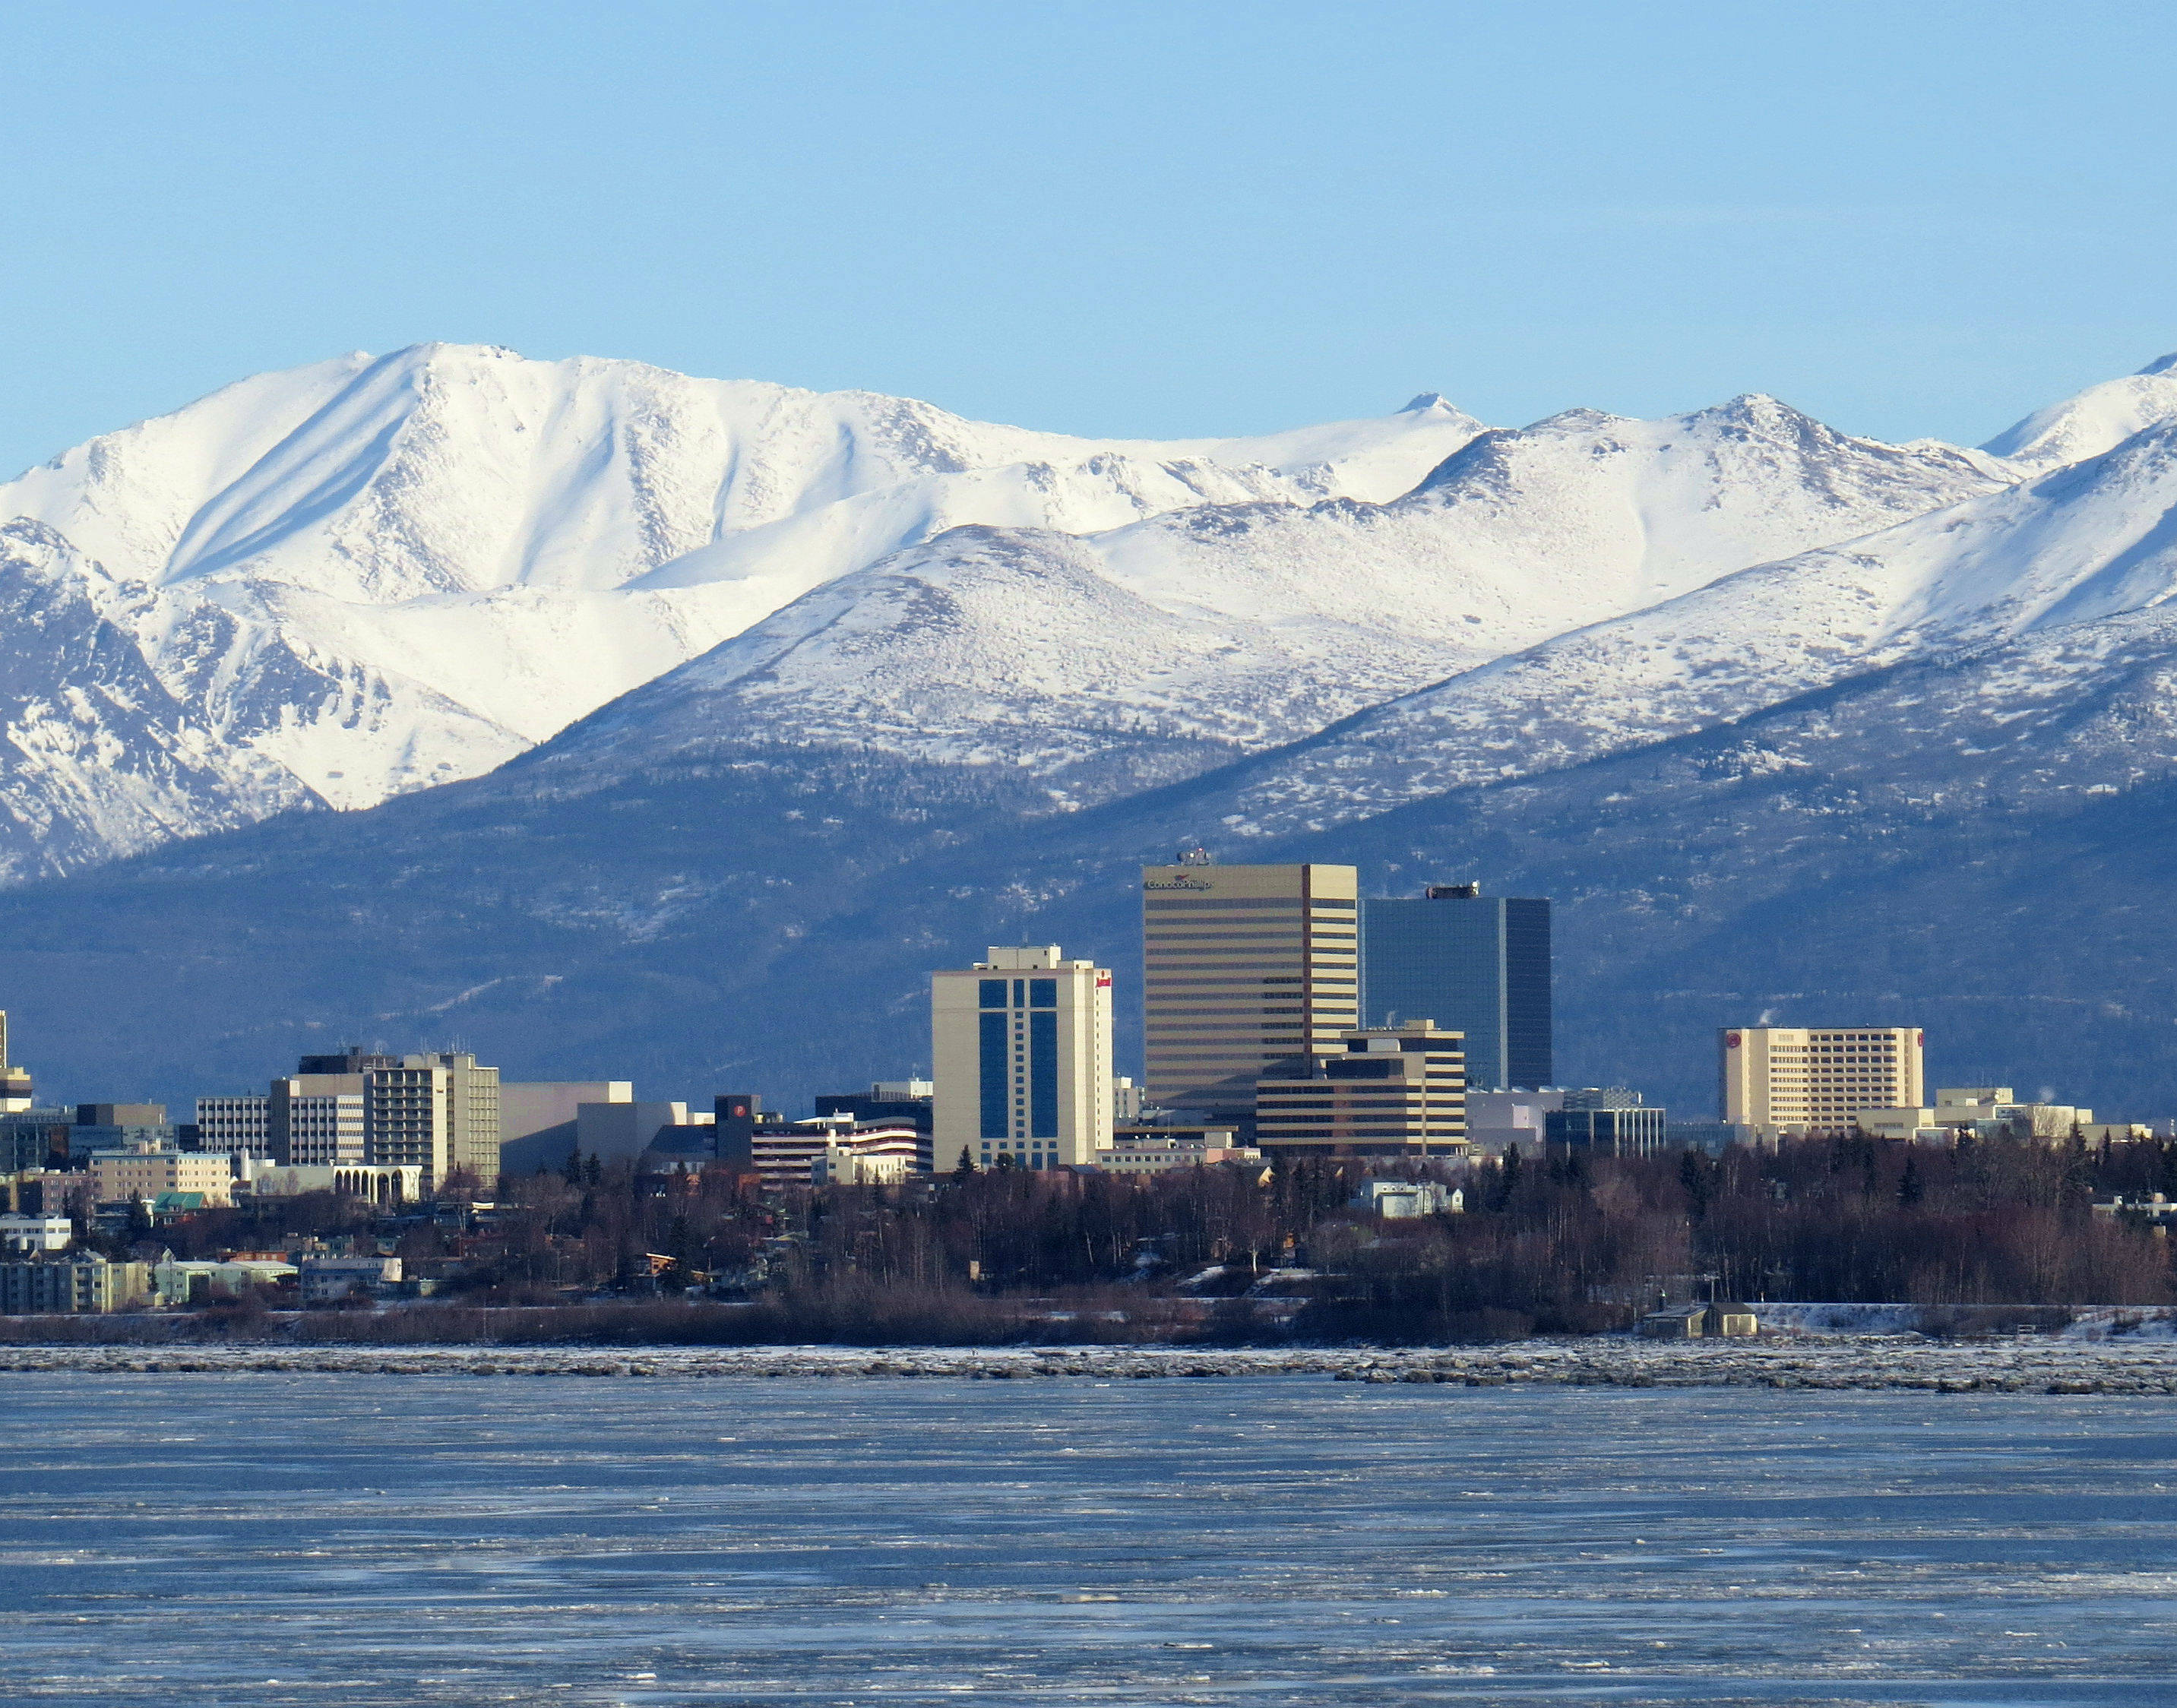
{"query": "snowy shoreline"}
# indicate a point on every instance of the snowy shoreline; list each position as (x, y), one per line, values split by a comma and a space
(2031, 1364)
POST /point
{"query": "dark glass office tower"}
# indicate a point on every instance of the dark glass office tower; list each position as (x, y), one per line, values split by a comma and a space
(1473, 963)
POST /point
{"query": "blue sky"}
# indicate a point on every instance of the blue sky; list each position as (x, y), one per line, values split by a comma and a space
(1108, 218)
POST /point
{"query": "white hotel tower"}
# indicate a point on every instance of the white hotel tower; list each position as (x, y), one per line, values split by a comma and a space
(1022, 1046)
(1798, 1081)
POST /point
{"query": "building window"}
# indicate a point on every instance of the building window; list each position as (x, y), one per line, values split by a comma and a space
(993, 1072)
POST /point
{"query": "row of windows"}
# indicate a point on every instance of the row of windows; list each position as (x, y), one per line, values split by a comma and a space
(1017, 993)
(1311, 903)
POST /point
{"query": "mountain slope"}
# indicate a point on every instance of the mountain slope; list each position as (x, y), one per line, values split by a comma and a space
(1125, 659)
(2097, 420)
(374, 575)
(2073, 546)
(1976, 843)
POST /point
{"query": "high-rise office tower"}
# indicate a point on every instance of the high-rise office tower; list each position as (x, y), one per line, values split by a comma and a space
(1021, 1042)
(1779, 1079)
(1475, 964)
(1242, 966)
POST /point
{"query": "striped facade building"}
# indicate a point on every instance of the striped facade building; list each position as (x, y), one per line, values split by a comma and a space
(1390, 1092)
(1243, 967)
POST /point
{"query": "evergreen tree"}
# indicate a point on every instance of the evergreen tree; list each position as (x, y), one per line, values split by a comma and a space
(1694, 1178)
(1910, 1191)
(1508, 1180)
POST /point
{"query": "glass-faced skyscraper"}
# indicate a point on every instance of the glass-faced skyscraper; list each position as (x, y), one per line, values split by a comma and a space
(1473, 963)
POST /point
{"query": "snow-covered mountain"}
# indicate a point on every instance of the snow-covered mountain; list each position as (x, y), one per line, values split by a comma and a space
(374, 575)
(1846, 729)
(2097, 419)
(377, 574)
(2081, 544)
(1104, 663)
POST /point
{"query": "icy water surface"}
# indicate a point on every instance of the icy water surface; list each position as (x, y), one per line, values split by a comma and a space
(397, 1540)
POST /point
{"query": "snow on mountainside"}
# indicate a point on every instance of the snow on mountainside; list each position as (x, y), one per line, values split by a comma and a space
(2077, 546)
(98, 755)
(454, 552)
(2098, 419)
(374, 575)
(1116, 661)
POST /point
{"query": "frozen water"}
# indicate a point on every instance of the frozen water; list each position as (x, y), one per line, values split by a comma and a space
(276, 1538)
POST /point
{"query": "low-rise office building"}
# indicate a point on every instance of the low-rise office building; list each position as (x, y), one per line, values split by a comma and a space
(1714, 1137)
(1160, 1150)
(1498, 1121)
(911, 1100)
(876, 1155)
(1993, 1111)
(34, 1138)
(785, 1153)
(375, 1183)
(1392, 1091)
(1621, 1127)
(1912, 1126)
(119, 1127)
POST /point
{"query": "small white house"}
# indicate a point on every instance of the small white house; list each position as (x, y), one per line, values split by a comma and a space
(327, 1279)
(24, 1234)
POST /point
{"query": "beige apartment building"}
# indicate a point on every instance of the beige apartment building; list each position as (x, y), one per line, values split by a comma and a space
(1243, 966)
(1390, 1091)
(1791, 1081)
(1022, 1046)
(145, 1172)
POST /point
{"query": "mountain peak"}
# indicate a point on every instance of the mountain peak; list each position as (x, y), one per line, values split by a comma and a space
(2093, 421)
(1753, 408)
(1436, 400)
